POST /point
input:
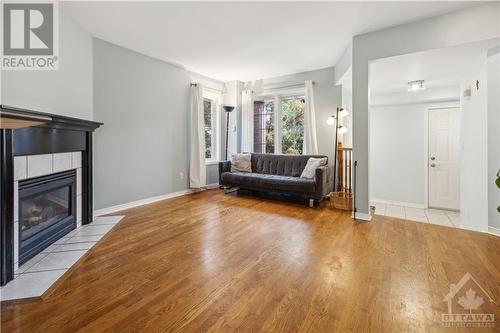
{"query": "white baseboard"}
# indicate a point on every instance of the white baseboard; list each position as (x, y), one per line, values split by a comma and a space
(112, 209)
(362, 216)
(398, 203)
(494, 231)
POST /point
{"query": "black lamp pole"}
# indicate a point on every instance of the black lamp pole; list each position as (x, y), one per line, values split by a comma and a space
(335, 151)
(228, 110)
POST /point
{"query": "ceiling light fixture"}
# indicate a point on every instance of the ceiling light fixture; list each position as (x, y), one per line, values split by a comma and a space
(416, 85)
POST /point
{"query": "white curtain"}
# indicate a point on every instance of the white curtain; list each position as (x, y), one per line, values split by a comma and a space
(310, 137)
(247, 121)
(197, 168)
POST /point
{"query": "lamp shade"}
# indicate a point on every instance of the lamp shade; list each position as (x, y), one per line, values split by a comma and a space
(330, 120)
(342, 130)
(343, 112)
(228, 108)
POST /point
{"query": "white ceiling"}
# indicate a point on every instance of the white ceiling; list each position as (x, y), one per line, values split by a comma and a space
(245, 40)
(439, 68)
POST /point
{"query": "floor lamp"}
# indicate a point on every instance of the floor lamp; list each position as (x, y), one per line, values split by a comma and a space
(339, 129)
(228, 110)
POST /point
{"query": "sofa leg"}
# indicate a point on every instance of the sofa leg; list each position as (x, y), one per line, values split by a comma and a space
(311, 203)
(230, 189)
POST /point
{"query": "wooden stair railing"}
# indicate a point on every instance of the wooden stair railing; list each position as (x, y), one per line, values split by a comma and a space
(342, 196)
(344, 168)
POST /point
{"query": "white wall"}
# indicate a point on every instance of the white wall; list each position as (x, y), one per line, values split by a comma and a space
(474, 150)
(473, 24)
(434, 95)
(67, 91)
(343, 65)
(347, 120)
(398, 139)
(493, 88)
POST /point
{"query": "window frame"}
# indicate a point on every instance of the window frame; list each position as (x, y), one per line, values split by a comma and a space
(278, 115)
(215, 125)
(265, 101)
(294, 96)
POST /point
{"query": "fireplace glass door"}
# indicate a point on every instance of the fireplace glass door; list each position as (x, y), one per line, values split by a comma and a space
(43, 210)
(47, 211)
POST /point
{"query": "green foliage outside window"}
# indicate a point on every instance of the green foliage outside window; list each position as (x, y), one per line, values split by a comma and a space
(269, 123)
(207, 115)
(292, 126)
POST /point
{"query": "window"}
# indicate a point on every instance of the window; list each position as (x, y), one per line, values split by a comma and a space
(279, 125)
(211, 120)
(263, 127)
(292, 125)
(208, 116)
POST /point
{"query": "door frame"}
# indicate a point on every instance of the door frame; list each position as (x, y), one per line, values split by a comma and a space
(452, 105)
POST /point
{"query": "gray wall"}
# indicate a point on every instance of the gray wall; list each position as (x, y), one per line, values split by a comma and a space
(143, 145)
(397, 153)
(67, 91)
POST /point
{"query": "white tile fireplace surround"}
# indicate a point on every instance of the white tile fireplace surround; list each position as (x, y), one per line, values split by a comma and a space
(40, 165)
(39, 273)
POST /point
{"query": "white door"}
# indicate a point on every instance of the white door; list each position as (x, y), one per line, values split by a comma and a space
(443, 158)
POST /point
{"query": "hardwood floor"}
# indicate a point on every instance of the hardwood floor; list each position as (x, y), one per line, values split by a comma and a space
(225, 263)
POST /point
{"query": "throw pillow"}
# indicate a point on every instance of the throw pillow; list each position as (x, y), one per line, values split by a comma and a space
(241, 163)
(311, 166)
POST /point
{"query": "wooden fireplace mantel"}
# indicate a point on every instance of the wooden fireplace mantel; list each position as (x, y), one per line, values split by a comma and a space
(50, 134)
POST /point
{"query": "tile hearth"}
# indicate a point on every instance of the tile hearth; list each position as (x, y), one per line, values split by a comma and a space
(34, 277)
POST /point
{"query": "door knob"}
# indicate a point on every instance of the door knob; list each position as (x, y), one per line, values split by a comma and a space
(433, 158)
(433, 165)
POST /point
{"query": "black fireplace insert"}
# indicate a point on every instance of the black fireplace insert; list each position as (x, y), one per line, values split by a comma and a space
(47, 211)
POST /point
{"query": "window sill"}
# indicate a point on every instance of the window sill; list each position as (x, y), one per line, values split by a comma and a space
(211, 162)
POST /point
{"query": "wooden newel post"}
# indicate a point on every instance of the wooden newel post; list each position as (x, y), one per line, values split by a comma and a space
(340, 168)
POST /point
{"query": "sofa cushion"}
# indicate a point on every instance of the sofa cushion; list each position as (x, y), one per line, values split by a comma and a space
(283, 165)
(241, 163)
(311, 166)
(270, 182)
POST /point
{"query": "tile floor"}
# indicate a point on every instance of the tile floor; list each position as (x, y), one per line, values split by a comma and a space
(433, 216)
(34, 277)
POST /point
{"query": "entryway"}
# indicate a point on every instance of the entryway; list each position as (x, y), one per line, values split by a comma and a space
(442, 217)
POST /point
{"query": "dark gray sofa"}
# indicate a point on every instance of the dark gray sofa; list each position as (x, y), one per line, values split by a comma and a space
(279, 174)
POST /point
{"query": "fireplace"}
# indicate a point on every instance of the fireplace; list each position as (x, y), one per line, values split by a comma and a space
(37, 168)
(47, 211)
